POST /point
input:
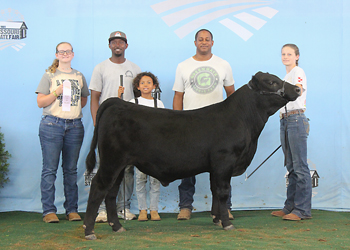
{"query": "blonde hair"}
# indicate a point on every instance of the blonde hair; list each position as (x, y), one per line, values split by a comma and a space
(295, 48)
(55, 63)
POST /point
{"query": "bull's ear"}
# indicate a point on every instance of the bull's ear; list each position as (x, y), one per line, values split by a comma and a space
(254, 82)
(257, 77)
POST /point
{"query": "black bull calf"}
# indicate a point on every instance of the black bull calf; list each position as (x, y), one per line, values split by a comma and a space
(220, 139)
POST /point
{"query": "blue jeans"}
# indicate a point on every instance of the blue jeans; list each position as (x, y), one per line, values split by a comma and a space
(294, 145)
(141, 192)
(129, 188)
(186, 191)
(60, 135)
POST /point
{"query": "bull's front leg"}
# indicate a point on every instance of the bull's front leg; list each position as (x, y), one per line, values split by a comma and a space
(215, 203)
(226, 223)
(220, 191)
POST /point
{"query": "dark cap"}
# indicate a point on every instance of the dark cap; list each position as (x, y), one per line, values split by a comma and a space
(117, 35)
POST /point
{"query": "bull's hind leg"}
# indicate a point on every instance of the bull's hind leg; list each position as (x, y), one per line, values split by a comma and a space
(100, 187)
(95, 199)
(215, 210)
(220, 188)
(111, 206)
(215, 203)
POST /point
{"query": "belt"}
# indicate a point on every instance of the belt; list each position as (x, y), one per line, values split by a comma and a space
(62, 119)
(293, 112)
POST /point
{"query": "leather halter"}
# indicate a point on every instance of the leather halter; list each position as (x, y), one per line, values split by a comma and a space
(279, 92)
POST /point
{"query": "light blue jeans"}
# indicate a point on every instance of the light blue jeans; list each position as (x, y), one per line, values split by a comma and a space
(60, 136)
(299, 190)
(141, 192)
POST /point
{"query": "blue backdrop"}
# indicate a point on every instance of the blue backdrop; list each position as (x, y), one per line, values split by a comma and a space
(248, 34)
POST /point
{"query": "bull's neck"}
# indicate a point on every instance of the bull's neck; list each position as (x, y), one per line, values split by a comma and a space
(255, 108)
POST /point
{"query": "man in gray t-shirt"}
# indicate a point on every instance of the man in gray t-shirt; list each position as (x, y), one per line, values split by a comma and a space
(105, 82)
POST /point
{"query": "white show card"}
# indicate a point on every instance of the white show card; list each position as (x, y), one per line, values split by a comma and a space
(67, 92)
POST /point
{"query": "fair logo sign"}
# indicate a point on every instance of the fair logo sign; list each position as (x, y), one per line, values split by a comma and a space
(243, 17)
(12, 30)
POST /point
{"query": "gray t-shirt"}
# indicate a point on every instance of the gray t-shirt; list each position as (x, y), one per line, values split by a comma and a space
(106, 79)
(50, 82)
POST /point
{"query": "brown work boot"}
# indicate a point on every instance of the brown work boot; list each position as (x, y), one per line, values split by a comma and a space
(279, 213)
(154, 215)
(185, 214)
(143, 215)
(73, 217)
(291, 217)
(51, 218)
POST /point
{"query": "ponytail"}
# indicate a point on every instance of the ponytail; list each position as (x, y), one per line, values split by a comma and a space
(53, 67)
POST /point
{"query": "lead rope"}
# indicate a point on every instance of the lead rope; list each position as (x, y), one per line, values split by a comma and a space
(124, 186)
(286, 137)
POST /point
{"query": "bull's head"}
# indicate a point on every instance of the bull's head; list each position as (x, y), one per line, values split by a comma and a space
(268, 84)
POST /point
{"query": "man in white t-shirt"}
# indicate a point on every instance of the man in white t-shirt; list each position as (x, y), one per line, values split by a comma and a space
(105, 82)
(199, 82)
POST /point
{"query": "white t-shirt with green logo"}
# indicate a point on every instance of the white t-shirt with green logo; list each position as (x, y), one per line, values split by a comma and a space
(202, 82)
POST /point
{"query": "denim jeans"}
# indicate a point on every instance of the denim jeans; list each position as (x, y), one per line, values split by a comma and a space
(294, 145)
(60, 136)
(141, 192)
(129, 188)
(186, 191)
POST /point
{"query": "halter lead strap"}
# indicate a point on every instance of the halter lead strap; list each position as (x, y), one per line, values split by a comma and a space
(279, 92)
(286, 138)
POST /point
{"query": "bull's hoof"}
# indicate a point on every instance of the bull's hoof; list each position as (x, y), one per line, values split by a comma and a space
(230, 227)
(217, 223)
(120, 230)
(91, 237)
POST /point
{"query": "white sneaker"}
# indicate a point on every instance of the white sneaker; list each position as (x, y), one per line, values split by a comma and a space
(101, 217)
(128, 214)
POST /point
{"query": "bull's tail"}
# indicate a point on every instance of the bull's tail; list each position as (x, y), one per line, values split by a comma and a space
(91, 157)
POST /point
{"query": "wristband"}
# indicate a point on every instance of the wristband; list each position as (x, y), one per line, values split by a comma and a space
(54, 93)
